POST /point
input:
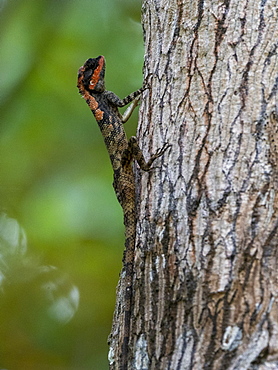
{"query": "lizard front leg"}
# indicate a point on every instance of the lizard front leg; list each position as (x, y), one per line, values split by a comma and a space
(118, 102)
(130, 109)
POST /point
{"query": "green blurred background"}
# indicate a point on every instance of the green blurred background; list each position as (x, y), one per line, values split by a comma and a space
(61, 230)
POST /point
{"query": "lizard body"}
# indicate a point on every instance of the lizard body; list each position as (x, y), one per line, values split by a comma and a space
(104, 105)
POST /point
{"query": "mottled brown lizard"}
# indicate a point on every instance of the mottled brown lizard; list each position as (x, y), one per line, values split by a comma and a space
(104, 105)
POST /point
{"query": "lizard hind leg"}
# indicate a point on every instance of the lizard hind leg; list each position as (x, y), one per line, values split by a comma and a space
(139, 157)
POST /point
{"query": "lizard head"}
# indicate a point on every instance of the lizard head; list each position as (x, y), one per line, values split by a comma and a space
(93, 72)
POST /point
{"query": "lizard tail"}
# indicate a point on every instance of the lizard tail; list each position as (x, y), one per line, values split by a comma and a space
(130, 232)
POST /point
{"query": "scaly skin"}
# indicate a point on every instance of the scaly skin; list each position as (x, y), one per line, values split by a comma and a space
(104, 105)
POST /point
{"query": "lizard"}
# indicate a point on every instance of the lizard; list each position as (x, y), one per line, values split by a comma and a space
(122, 152)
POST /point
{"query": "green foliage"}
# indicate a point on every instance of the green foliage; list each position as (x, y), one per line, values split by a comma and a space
(56, 179)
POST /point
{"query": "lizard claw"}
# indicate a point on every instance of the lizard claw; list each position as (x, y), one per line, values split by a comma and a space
(162, 150)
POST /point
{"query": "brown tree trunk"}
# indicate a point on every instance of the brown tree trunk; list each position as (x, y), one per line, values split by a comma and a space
(206, 272)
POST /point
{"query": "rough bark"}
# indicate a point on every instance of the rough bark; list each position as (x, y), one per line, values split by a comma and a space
(206, 272)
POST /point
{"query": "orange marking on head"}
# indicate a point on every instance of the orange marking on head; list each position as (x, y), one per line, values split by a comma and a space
(95, 76)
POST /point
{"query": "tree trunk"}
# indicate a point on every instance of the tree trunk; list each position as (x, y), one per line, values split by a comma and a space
(206, 272)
